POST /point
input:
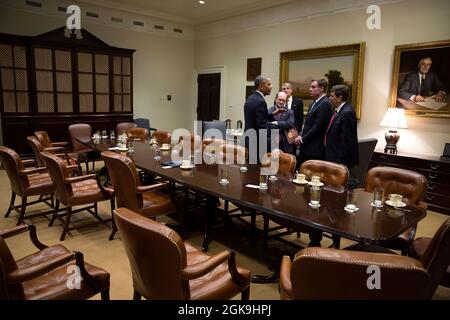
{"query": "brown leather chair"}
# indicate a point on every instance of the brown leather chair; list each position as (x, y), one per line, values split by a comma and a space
(411, 185)
(232, 154)
(48, 274)
(124, 127)
(425, 249)
(140, 134)
(330, 173)
(26, 182)
(165, 267)
(146, 200)
(162, 136)
(75, 191)
(47, 144)
(80, 152)
(324, 273)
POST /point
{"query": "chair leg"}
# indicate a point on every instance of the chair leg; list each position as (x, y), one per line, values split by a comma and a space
(11, 203)
(336, 241)
(105, 294)
(66, 223)
(114, 227)
(22, 210)
(136, 295)
(55, 213)
(245, 294)
(265, 233)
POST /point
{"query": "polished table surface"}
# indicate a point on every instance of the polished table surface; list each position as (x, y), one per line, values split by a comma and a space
(284, 199)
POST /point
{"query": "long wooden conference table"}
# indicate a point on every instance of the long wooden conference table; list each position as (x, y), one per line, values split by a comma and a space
(283, 199)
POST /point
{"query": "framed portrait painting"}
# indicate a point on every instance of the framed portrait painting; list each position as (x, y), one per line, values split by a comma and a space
(339, 65)
(421, 79)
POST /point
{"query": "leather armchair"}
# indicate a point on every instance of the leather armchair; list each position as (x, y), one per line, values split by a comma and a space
(124, 127)
(45, 274)
(48, 145)
(182, 271)
(162, 137)
(330, 173)
(146, 200)
(411, 185)
(80, 152)
(26, 182)
(434, 254)
(75, 191)
(140, 134)
(324, 273)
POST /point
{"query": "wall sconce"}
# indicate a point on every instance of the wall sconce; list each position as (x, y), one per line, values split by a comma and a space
(394, 119)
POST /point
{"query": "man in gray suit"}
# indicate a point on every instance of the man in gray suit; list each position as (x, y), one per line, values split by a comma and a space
(422, 83)
(282, 119)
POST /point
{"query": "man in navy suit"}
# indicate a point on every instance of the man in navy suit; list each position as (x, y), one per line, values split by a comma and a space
(341, 137)
(422, 83)
(256, 117)
(295, 104)
(317, 119)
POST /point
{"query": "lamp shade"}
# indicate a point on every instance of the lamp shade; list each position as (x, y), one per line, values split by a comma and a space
(394, 118)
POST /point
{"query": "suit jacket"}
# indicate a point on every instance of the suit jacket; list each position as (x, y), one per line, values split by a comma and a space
(297, 107)
(256, 117)
(316, 124)
(342, 138)
(411, 85)
(286, 121)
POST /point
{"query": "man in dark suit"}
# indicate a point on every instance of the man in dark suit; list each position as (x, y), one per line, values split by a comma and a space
(422, 83)
(317, 119)
(283, 120)
(256, 117)
(295, 104)
(341, 137)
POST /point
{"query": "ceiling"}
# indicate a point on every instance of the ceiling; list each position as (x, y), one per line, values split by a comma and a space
(188, 11)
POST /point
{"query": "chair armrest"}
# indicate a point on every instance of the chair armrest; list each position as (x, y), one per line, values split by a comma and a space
(25, 274)
(423, 205)
(8, 233)
(54, 149)
(27, 172)
(60, 144)
(79, 178)
(201, 268)
(285, 277)
(29, 162)
(152, 187)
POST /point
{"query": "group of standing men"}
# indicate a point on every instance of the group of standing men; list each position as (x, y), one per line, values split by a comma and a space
(329, 131)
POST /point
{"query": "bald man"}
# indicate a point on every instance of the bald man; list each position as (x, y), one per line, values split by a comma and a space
(282, 119)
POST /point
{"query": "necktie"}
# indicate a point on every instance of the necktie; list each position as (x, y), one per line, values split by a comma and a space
(329, 125)
(423, 90)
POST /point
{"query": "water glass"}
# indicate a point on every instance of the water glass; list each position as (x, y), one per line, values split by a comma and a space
(378, 194)
(263, 181)
(315, 196)
(351, 200)
(157, 156)
(224, 175)
(130, 147)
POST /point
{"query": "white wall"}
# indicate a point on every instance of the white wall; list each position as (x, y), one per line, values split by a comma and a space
(411, 21)
(161, 65)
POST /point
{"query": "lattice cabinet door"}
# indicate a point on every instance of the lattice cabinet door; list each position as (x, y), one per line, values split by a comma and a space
(14, 92)
(122, 84)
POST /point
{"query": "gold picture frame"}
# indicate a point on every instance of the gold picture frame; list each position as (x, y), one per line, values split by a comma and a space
(406, 65)
(339, 64)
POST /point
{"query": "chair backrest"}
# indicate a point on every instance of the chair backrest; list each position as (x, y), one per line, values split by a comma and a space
(365, 151)
(219, 126)
(82, 131)
(411, 185)
(142, 123)
(124, 178)
(436, 258)
(43, 138)
(12, 163)
(138, 133)
(124, 126)
(323, 273)
(232, 153)
(156, 254)
(162, 136)
(58, 173)
(37, 149)
(330, 173)
(8, 265)
(286, 162)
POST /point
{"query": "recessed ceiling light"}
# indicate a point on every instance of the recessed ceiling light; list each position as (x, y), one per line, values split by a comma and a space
(201, 2)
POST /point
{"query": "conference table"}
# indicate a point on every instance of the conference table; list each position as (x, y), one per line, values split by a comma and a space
(283, 199)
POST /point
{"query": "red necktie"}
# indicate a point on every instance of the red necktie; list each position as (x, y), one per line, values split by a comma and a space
(329, 125)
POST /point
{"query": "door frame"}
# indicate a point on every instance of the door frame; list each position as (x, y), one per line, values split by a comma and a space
(222, 71)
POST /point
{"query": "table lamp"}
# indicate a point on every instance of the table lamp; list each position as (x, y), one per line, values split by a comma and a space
(394, 119)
